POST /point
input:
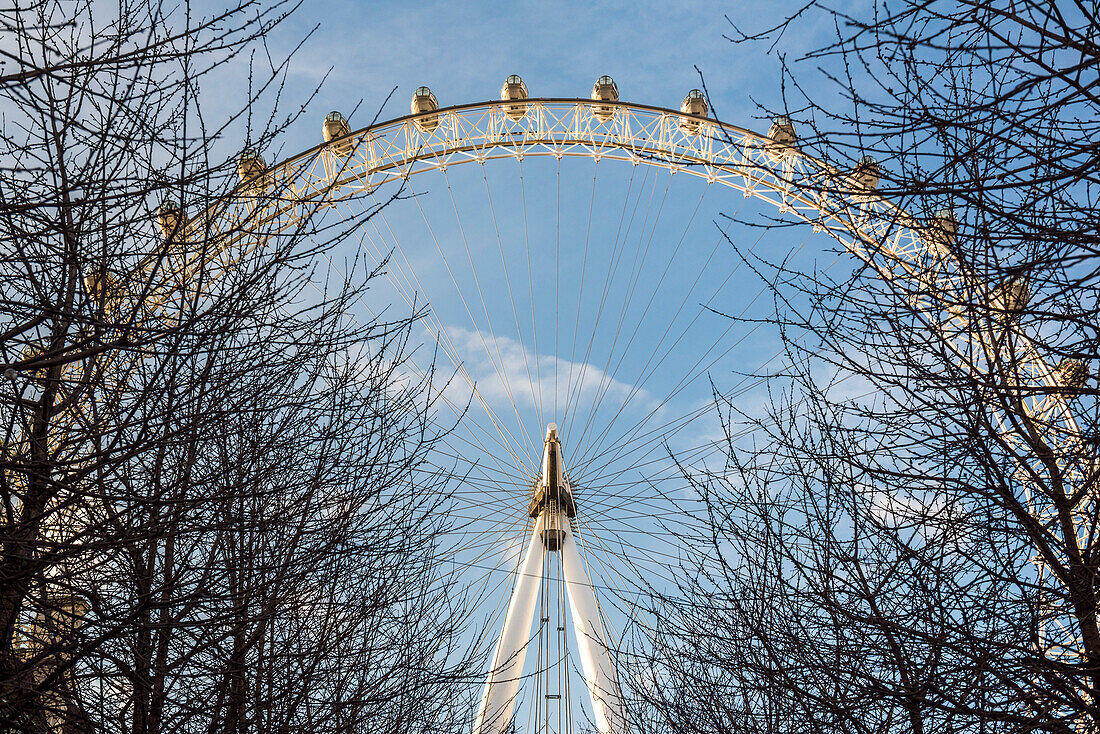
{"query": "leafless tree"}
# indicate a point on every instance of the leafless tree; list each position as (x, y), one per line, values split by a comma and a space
(217, 511)
(908, 541)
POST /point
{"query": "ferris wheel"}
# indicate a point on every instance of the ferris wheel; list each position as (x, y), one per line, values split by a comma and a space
(585, 336)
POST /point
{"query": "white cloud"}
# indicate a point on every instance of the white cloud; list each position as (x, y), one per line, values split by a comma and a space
(506, 372)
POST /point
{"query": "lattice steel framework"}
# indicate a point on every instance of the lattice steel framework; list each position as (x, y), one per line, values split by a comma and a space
(900, 248)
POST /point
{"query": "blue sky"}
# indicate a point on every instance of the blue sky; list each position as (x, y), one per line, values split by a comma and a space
(650, 247)
(464, 50)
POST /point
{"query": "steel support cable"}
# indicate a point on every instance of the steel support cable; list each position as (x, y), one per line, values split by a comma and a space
(664, 469)
(610, 271)
(612, 518)
(505, 474)
(498, 365)
(594, 478)
(569, 386)
(618, 451)
(647, 371)
(640, 254)
(506, 435)
(628, 560)
(661, 500)
(657, 288)
(661, 504)
(638, 384)
(498, 532)
(619, 447)
(592, 472)
(531, 291)
(416, 369)
(443, 344)
(644, 484)
(650, 368)
(618, 249)
(508, 282)
(504, 484)
(557, 276)
(688, 378)
(602, 519)
(486, 594)
(733, 436)
(594, 475)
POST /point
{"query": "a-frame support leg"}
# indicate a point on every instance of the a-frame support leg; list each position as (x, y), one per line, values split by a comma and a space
(499, 698)
(599, 673)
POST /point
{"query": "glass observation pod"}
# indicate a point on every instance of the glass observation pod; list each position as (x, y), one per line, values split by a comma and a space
(250, 170)
(941, 230)
(172, 219)
(781, 134)
(335, 128)
(423, 102)
(103, 289)
(1071, 374)
(604, 90)
(694, 104)
(866, 174)
(1010, 298)
(514, 89)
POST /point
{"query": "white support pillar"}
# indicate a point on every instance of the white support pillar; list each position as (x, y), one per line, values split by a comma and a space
(599, 673)
(498, 700)
(553, 506)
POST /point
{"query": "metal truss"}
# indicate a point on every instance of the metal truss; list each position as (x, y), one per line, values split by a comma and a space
(902, 249)
(897, 245)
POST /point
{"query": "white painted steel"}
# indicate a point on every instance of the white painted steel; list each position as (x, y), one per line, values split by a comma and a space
(891, 241)
(498, 700)
(495, 710)
(599, 671)
(554, 464)
(896, 245)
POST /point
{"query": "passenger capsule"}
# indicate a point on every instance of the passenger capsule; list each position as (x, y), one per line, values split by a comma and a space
(781, 133)
(1010, 297)
(1071, 374)
(514, 89)
(250, 170)
(172, 220)
(423, 102)
(604, 90)
(335, 128)
(35, 352)
(694, 104)
(104, 290)
(941, 231)
(865, 174)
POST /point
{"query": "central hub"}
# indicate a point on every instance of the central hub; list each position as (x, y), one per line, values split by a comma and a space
(553, 500)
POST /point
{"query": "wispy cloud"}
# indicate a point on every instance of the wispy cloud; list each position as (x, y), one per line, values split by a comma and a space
(508, 372)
